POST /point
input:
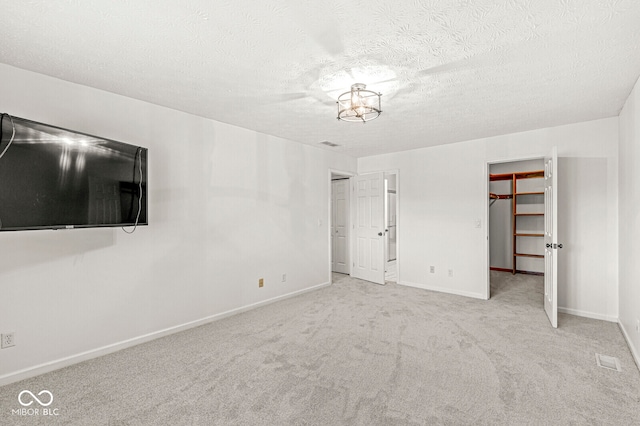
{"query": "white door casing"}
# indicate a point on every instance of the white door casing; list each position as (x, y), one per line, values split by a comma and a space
(340, 226)
(551, 237)
(391, 226)
(368, 227)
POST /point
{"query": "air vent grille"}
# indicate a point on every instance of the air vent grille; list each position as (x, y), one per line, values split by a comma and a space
(610, 362)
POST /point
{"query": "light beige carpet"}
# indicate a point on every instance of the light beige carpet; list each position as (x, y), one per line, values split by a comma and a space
(358, 353)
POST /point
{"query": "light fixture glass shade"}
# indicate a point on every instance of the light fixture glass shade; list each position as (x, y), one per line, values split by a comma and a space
(359, 104)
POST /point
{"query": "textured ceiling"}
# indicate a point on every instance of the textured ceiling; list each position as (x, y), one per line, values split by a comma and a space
(448, 70)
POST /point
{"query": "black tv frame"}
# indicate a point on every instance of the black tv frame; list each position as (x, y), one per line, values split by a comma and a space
(136, 189)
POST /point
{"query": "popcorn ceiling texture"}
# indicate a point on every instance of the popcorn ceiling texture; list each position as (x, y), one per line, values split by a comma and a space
(448, 70)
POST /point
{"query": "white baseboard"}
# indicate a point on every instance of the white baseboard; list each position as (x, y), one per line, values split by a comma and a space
(634, 352)
(104, 350)
(444, 290)
(586, 314)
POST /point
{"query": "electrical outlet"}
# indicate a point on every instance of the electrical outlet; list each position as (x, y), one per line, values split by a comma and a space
(284, 278)
(450, 272)
(261, 282)
(8, 340)
(432, 269)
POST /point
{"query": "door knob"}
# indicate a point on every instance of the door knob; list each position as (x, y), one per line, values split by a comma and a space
(549, 246)
(380, 234)
(559, 245)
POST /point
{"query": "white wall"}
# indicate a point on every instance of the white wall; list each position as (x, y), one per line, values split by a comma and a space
(630, 220)
(443, 192)
(227, 206)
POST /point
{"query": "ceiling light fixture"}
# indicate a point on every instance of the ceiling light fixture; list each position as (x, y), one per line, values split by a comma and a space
(359, 104)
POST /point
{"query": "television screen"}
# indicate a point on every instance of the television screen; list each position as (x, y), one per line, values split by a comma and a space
(53, 178)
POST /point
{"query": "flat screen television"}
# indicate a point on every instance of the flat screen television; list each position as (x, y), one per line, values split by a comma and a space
(54, 178)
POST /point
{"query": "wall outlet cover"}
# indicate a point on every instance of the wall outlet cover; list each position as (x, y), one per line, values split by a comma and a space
(8, 340)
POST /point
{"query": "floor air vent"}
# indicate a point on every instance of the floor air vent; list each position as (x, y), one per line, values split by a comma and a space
(604, 361)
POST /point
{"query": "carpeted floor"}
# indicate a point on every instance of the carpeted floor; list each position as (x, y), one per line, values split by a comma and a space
(362, 354)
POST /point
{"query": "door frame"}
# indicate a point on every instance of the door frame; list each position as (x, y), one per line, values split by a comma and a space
(396, 172)
(487, 172)
(331, 172)
(398, 220)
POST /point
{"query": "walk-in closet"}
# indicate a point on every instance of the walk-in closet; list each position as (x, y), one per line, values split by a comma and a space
(516, 214)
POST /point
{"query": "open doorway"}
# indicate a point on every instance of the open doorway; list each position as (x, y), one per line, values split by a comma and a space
(532, 228)
(516, 231)
(363, 231)
(339, 227)
(391, 229)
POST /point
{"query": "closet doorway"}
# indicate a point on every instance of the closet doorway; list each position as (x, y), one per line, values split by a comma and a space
(522, 238)
(517, 231)
(516, 217)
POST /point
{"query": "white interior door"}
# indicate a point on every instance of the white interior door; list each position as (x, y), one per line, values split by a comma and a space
(551, 237)
(340, 226)
(368, 226)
